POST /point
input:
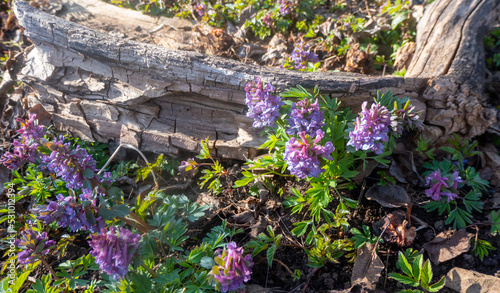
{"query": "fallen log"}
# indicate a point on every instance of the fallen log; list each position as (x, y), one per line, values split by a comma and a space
(105, 88)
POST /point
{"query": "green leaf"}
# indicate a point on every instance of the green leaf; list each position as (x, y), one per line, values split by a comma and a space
(404, 265)
(426, 275)
(270, 254)
(115, 192)
(115, 211)
(437, 286)
(396, 21)
(495, 220)
(403, 279)
(243, 182)
(207, 262)
(19, 281)
(88, 173)
(310, 34)
(459, 218)
(301, 228)
(417, 265)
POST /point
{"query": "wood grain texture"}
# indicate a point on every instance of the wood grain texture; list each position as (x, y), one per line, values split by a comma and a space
(450, 52)
(106, 88)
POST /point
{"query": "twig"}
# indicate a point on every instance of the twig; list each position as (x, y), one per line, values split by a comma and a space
(157, 28)
(134, 224)
(153, 273)
(287, 237)
(475, 239)
(178, 186)
(137, 150)
(380, 236)
(45, 263)
(140, 221)
(309, 276)
(267, 275)
(362, 192)
(386, 265)
(423, 224)
(297, 288)
(283, 265)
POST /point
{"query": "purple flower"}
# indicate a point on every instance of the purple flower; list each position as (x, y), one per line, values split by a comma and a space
(232, 269)
(440, 187)
(113, 250)
(22, 153)
(372, 129)
(67, 212)
(456, 179)
(34, 245)
(71, 165)
(285, 6)
(189, 167)
(267, 20)
(405, 117)
(301, 56)
(26, 148)
(305, 116)
(200, 8)
(302, 155)
(263, 107)
(30, 130)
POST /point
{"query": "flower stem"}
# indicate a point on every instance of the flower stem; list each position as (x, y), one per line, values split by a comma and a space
(52, 272)
(153, 273)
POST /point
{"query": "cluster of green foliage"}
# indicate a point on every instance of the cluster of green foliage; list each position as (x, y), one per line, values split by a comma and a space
(167, 265)
(266, 20)
(459, 211)
(416, 273)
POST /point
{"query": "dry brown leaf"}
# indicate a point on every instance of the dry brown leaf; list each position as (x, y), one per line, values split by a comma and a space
(463, 280)
(404, 170)
(389, 196)
(259, 227)
(42, 115)
(397, 230)
(358, 60)
(243, 218)
(448, 245)
(365, 172)
(367, 267)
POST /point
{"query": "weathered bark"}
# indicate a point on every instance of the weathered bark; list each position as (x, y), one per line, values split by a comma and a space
(450, 52)
(102, 87)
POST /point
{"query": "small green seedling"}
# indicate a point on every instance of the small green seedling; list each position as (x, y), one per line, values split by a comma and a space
(416, 274)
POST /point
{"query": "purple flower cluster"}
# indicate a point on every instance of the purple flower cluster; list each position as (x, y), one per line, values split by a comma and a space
(267, 20)
(67, 212)
(302, 155)
(71, 165)
(25, 149)
(440, 187)
(263, 107)
(372, 129)
(34, 245)
(114, 250)
(232, 269)
(305, 116)
(301, 56)
(200, 8)
(407, 117)
(30, 130)
(285, 6)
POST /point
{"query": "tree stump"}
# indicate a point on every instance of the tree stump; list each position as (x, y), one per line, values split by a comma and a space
(104, 88)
